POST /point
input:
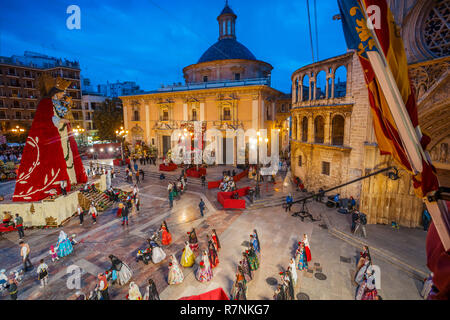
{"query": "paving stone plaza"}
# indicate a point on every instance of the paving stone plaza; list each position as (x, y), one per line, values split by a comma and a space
(334, 249)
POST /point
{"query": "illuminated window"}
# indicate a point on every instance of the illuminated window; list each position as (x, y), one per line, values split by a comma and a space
(226, 114)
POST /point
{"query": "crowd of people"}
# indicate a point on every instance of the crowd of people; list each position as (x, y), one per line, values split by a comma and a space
(10, 154)
(246, 268)
(289, 278)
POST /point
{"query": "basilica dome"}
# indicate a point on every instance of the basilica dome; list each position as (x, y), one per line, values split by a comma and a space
(227, 59)
(226, 49)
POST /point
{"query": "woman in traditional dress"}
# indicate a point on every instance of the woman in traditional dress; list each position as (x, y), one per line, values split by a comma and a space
(123, 271)
(215, 238)
(245, 267)
(188, 257)
(175, 273)
(64, 246)
(158, 254)
(151, 293)
(166, 237)
(204, 271)
(212, 253)
(290, 282)
(134, 293)
(293, 270)
(302, 263)
(239, 290)
(279, 293)
(255, 234)
(359, 277)
(254, 244)
(193, 242)
(307, 249)
(367, 289)
(363, 255)
(252, 259)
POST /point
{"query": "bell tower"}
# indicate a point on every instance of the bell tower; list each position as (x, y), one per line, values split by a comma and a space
(227, 23)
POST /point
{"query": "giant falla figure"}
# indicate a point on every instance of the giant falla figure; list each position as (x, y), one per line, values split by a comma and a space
(50, 154)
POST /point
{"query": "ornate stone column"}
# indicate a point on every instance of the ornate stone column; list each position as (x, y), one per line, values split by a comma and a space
(327, 129)
(347, 125)
(310, 128)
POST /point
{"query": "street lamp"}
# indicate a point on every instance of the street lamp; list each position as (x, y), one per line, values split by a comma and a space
(19, 131)
(122, 134)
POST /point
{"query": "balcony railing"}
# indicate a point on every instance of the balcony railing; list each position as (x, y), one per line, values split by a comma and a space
(218, 84)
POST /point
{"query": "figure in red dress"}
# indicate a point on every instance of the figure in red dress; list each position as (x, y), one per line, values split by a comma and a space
(166, 237)
(307, 249)
(215, 239)
(212, 253)
(50, 154)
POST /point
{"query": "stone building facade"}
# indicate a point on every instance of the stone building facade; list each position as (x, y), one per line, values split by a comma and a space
(332, 135)
(228, 88)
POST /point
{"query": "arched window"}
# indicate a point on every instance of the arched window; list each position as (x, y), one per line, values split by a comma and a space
(337, 130)
(305, 129)
(321, 82)
(136, 115)
(330, 83)
(319, 129)
(296, 90)
(340, 82)
(305, 86)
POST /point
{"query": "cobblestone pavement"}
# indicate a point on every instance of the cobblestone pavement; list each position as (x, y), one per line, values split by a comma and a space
(279, 232)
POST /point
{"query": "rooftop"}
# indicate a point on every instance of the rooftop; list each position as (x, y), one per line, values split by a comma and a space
(226, 49)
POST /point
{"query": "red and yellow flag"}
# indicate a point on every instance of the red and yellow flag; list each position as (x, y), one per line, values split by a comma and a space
(381, 36)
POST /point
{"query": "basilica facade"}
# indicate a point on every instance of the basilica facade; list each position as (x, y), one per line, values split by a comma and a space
(333, 139)
(228, 88)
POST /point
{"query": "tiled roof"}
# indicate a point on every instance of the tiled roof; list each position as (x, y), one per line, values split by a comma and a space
(226, 49)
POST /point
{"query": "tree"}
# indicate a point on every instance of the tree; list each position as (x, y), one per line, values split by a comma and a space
(108, 118)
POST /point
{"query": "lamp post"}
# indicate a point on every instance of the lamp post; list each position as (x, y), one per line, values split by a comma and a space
(122, 134)
(77, 131)
(19, 131)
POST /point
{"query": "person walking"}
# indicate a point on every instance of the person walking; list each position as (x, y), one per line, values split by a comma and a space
(18, 222)
(80, 214)
(171, 192)
(355, 216)
(137, 203)
(42, 272)
(25, 254)
(103, 286)
(288, 203)
(63, 185)
(12, 289)
(93, 212)
(135, 166)
(125, 215)
(203, 178)
(137, 177)
(201, 205)
(141, 173)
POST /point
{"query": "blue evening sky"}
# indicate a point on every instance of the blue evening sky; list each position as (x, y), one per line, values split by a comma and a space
(150, 41)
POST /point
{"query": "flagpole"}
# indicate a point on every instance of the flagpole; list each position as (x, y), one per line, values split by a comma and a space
(408, 134)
